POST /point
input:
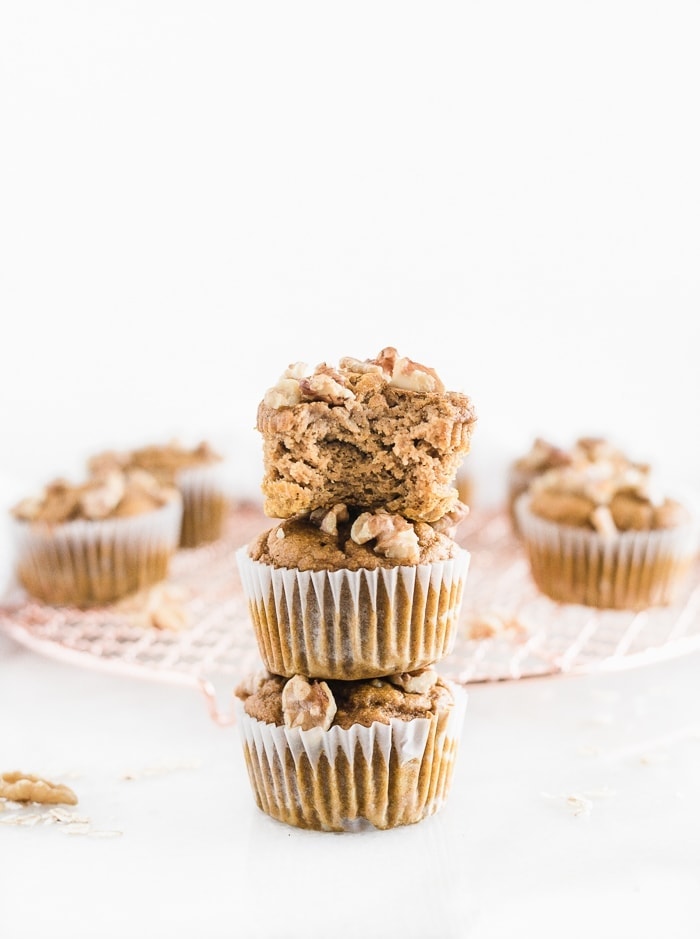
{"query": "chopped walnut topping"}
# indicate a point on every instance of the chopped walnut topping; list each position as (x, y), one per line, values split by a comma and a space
(29, 509)
(361, 368)
(307, 704)
(285, 394)
(325, 386)
(395, 537)
(407, 374)
(448, 524)
(418, 682)
(327, 521)
(602, 521)
(100, 499)
(24, 787)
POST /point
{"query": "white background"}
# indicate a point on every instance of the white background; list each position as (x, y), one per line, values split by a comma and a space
(195, 194)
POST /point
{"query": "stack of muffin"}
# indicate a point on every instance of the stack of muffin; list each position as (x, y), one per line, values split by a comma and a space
(354, 595)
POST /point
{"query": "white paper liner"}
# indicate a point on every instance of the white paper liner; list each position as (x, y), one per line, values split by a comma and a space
(312, 793)
(630, 570)
(99, 560)
(354, 624)
(206, 492)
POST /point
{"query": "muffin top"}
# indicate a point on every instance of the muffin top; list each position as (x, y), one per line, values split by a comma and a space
(112, 494)
(164, 461)
(607, 496)
(543, 455)
(381, 432)
(343, 538)
(307, 703)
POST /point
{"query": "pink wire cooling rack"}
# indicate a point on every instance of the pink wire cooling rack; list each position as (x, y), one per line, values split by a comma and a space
(508, 630)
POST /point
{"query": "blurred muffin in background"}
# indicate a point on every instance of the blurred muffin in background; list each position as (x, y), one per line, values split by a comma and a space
(97, 541)
(198, 472)
(603, 534)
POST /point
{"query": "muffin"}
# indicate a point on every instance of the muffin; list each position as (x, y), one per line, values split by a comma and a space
(97, 541)
(198, 473)
(381, 433)
(349, 756)
(350, 594)
(599, 534)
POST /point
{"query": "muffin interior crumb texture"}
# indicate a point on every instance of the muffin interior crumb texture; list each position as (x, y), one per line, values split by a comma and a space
(377, 433)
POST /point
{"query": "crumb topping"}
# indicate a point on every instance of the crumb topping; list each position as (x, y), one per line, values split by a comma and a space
(304, 703)
(607, 496)
(162, 461)
(111, 494)
(336, 385)
(346, 538)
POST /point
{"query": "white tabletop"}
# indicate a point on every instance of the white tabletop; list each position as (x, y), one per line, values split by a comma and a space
(573, 812)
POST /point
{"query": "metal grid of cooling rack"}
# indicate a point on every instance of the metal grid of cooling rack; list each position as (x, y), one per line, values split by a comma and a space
(508, 630)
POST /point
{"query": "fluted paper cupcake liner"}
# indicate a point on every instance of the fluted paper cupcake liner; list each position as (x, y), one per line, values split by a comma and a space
(353, 624)
(632, 570)
(206, 496)
(380, 777)
(88, 562)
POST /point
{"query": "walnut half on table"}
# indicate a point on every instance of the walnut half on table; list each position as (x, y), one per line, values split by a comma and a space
(24, 787)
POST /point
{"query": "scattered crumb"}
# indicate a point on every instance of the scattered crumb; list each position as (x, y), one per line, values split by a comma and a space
(491, 624)
(581, 803)
(70, 823)
(160, 770)
(161, 606)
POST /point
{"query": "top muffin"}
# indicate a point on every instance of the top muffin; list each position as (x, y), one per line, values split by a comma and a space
(378, 433)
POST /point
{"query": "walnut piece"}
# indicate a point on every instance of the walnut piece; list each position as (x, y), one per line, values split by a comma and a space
(406, 374)
(418, 682)
(104, 495)
(24, 787)
(327, 521)
(307, 704)
(285, 394)
(161, 606)
(395, 537)
(325, 386)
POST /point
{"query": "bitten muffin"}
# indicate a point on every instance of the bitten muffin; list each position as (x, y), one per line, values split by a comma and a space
(599, 534)
(97, 541)
(380, 433)
(348, 756)
(349, 594)
(198, 473)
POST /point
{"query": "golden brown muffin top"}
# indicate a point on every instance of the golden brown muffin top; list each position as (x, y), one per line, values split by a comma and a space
(306, 703)
(113, 494)
(605, 496)
(351, 539)
(164, 461)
